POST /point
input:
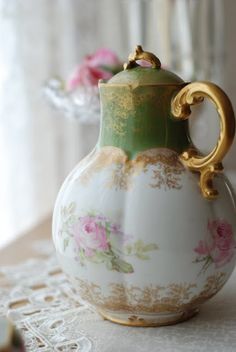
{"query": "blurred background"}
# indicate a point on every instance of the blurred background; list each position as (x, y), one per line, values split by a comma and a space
(43, 39)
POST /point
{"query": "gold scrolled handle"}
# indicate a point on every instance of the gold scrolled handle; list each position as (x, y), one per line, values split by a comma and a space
(139, 54)
(208, 165)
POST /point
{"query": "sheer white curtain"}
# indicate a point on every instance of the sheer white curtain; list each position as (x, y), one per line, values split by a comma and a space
(43, 38)
(37, 40)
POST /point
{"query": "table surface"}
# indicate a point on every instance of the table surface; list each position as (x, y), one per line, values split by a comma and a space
(21, 249)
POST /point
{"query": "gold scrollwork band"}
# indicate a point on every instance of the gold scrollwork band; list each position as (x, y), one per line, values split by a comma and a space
(210, 164)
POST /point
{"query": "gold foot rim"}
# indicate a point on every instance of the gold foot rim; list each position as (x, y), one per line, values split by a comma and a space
(155, 320)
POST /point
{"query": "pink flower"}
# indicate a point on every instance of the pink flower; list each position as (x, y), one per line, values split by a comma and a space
(223, 242)
(202, 248)
(103, 57)
(85, 75)
(115, 229)
(90, 235)
(220, 245)
(94, 67)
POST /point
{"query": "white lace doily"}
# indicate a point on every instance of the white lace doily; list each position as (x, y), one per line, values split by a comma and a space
(37, 296)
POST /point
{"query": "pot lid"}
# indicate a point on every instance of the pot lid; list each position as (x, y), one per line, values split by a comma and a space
(135, 74)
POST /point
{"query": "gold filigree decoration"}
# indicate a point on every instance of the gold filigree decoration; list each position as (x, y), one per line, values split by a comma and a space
(103, 158)
(122, 176)
(150, 299)
(120, 107)
(165, 166)
(122, 104)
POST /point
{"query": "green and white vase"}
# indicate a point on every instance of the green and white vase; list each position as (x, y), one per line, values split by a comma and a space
(145, 225)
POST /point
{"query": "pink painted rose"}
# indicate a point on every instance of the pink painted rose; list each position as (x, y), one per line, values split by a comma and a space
(103, 64)
(90, 235)
(202, 248)
(223, 244)
(220, 246)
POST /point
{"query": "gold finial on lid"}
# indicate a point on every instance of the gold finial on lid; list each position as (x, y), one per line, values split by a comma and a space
(139, 54)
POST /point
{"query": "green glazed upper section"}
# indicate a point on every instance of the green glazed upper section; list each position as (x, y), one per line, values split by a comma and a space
(137, 119)
(143, 76)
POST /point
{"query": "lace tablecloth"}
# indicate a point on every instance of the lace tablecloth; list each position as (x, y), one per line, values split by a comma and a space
(37, 296)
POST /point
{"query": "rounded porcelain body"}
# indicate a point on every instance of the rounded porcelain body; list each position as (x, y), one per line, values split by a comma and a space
(138, 239)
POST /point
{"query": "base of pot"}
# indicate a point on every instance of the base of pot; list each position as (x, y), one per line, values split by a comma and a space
(143, 320)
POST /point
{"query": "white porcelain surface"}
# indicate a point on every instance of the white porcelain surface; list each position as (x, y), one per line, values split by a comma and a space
(174, 223)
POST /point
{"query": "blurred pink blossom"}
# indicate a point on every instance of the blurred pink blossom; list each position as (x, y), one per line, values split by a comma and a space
(100, 65)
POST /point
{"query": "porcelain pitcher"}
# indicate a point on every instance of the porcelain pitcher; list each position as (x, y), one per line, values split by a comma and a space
(145, 225)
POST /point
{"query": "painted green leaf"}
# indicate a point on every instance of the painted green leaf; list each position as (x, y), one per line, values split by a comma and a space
(138, 246)
(139, 249)
(65, 243)
(91, 213)
(102, 257)
(63, 211)
(71, 208)
(121, 266)
(128, 250)
(142, 256)
(81, 255)
(71, 220)
(150, 247)
(109, 265)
